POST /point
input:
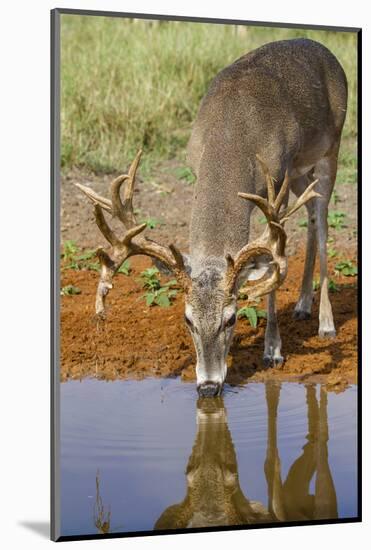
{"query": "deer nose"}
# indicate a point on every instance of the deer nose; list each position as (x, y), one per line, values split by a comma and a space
(209, 389)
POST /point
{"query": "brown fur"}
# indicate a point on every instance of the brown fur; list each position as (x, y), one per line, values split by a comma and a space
(285, 101)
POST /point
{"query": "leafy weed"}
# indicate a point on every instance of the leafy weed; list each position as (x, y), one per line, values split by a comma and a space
(346, 268)
(252, 314)
(70, 290)
(157, 294)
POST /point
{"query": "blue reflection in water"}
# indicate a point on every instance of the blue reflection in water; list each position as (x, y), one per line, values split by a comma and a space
(139, 455)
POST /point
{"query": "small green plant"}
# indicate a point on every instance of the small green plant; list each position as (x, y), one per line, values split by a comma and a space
(73, 258)
(125, 268)
(262, 220)
(346, 268)
(152, 223)
(68, 255)
(150, 279)
(92, 266)
(157, 294)
(161, 297)
(252, 314)
(87, 255)
(82, 261)
(70, 249)
(336, 220)
(70, 290)
(332, 286)
(331, 252)
(186, 174)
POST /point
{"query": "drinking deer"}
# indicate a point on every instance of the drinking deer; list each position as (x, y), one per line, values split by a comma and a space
(270, 122)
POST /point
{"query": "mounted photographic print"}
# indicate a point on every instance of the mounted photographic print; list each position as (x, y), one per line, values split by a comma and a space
(205, 206)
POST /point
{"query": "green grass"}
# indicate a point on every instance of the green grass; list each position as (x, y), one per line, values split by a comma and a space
(128, 85)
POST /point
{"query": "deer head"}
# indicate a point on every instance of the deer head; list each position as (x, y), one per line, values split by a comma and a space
(214, 496)
(210, 291)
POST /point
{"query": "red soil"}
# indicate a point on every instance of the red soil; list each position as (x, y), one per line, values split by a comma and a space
(136, 341)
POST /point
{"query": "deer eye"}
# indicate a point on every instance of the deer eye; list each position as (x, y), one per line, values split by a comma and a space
(231, 321)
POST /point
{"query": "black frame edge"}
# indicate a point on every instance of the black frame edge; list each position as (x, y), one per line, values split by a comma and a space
(54, 273)
(192, 19)
(160, 532)
(359, 262)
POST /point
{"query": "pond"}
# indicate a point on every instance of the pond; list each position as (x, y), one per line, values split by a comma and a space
(144, 455)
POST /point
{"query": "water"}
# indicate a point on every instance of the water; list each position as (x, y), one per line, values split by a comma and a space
(137, 456)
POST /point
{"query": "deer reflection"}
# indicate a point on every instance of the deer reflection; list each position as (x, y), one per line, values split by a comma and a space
(292, 500)
(214, 496)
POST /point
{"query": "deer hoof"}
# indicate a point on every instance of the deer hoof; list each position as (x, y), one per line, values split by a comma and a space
(301, 315)
(323, 333)
(271, 362)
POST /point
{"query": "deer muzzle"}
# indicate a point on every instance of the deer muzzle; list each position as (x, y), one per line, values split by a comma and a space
(209, 389)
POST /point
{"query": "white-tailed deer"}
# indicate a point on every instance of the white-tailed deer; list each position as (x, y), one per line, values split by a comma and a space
(214, 495)
(270, 122)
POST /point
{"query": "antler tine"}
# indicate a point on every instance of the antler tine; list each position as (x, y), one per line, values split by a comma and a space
(270, 206)
(117, 206)
(129, 190)
(133, 232)
(104, 227)
(179, 261)
(129, 246)
(306, 196)
(106, 204)
(282, 192)
(124, 210)
(268, 179)
(259, 202)
(271, 243)
(234, 265)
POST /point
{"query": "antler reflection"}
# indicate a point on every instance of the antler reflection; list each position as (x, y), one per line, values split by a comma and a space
(214, 496)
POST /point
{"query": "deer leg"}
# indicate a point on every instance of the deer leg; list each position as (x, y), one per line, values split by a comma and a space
(325, 171)
(272, 343)
(304, 305)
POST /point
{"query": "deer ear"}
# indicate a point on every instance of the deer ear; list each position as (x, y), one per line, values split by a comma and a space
(254, 270)
(176, 516)
(166, 271)
(257, 272)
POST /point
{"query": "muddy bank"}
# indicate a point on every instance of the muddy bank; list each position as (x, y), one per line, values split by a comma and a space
(136, 341)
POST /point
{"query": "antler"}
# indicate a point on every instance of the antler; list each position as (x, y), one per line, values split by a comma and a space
(133, 243)
(273, 240)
